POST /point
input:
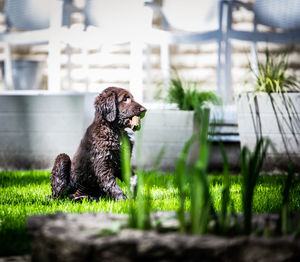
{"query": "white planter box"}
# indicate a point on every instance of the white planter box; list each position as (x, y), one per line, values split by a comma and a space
(162, 128)
(252, 119)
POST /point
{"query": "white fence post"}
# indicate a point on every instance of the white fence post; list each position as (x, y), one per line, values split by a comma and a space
(54, 46)
(136, 70)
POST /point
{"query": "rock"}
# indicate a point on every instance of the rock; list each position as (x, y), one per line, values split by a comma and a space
(25, 258)
(75, 237)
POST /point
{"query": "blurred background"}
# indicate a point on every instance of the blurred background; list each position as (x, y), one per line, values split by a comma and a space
(56, 55)
(95, 67)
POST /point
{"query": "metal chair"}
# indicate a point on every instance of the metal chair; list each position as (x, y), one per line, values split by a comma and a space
(123, 22)
(114, 22)
(35, 22)
(189, 22)
(282, 16)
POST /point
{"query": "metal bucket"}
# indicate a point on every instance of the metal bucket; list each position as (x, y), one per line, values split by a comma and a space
(26, 75)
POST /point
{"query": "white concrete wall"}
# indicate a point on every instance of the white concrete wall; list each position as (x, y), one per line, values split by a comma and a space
(35, 128)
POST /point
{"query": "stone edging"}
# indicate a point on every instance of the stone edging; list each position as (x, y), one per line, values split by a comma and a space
(75, 237)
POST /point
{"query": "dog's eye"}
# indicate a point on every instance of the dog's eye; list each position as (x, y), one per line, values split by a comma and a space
(126, 99)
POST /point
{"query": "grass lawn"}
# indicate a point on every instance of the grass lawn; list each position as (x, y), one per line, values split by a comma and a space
(25, 193)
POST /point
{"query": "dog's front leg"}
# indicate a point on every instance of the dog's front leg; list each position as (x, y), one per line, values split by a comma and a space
(133, 185)
(108, 184)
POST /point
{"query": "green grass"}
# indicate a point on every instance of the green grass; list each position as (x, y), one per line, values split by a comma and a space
(25, 193)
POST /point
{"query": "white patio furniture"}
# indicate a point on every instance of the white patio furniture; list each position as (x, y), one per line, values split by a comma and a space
(114, 22)
(283, 17)
(35, 22)
(189, 22)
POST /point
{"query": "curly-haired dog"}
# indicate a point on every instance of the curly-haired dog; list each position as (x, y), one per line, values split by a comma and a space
(96, 164)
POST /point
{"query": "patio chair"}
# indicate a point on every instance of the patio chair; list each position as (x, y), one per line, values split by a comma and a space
(114, 22)
(35, 22)
(189, 22)
(282, 16)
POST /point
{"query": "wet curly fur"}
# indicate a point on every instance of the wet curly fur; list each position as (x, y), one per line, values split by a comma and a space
(96, 163)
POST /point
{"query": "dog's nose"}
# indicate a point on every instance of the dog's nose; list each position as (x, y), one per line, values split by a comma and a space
(143, 109)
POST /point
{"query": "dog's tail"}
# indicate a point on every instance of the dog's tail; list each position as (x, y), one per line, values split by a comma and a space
(60, 176)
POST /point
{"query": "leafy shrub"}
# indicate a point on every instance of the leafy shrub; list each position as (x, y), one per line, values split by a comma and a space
(187, 97)
(271, 75)
(251, 164)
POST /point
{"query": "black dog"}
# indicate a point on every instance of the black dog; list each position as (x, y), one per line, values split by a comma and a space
(96, 164)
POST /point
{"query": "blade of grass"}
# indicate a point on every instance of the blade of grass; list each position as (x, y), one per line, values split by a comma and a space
(159, 159)
(125, 164)
(285, 200)
(225, 191)
(251, 164)
(143, 203)
(126, 174)
(200, 197)
(180, 175)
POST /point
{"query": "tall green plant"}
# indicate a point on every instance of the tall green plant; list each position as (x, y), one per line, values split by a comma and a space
(225, 192)
(125, 164)
(201, 207)
(271, 75)
(200, 196)
(285, 223)
(143, 219)
(139, 214)
(180, 181)
(126, 174)
(251, 164)
(186, 95)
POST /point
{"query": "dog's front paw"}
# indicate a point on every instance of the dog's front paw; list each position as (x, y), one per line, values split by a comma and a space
(118, 196)
(122, 197)
(133, 185)
(78, 197)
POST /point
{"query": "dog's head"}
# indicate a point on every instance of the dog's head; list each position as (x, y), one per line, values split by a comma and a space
(117, 106)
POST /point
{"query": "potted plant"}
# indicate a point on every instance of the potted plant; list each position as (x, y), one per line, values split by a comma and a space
(272, 110)
(165, 130)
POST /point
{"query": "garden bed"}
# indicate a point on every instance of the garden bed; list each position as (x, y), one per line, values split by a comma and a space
(79, 237)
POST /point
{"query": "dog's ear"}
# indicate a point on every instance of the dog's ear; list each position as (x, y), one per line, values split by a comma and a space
(106, 105)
